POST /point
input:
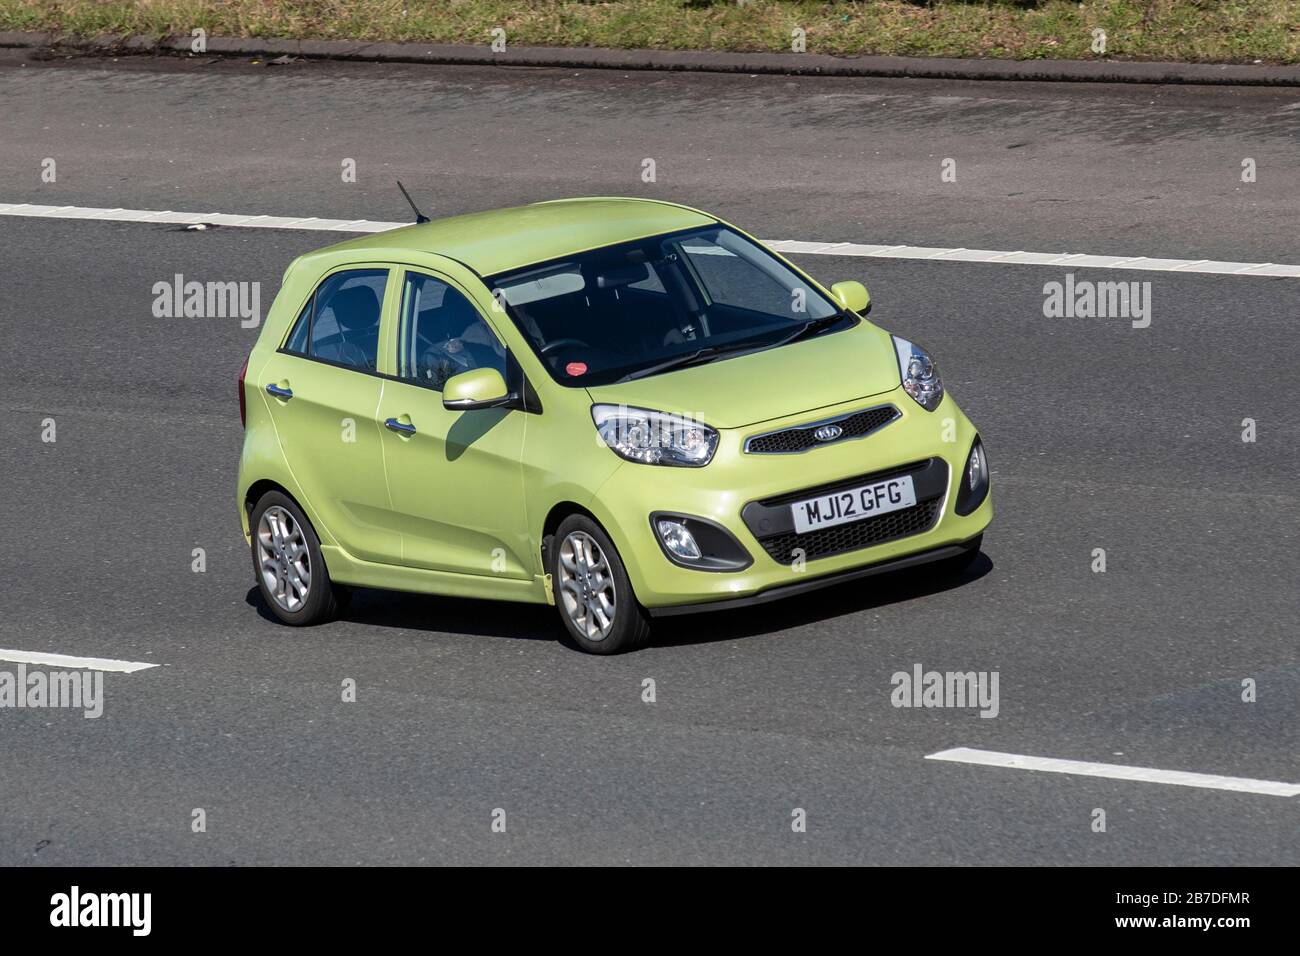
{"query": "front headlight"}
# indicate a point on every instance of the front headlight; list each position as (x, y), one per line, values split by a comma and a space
(919, 374)
(654, 438)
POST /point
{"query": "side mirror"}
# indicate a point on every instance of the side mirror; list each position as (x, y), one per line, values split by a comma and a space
(477, 388)
(852, 296)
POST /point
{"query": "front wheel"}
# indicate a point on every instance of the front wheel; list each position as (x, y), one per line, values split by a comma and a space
(592, 590)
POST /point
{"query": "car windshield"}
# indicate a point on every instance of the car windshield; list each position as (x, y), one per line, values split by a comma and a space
(646, 307)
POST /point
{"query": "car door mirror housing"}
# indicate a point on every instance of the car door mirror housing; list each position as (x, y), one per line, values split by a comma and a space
(852, 296)
(477, 388)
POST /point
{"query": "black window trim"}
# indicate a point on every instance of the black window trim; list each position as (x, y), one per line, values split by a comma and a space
(528, 401)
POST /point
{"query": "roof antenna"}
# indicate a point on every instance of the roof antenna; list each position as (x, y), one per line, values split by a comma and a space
(419, 216)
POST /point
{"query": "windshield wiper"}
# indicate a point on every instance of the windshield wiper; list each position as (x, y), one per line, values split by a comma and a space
(711, 352)
(706, 354)
(811, 328)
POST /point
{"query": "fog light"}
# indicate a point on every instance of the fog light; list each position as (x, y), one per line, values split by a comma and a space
(974, 487)
(678, 539)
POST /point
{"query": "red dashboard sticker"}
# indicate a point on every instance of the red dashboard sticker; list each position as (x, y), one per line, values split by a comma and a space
(576, 368)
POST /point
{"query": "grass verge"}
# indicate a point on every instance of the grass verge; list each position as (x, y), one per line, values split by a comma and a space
(1225, 31)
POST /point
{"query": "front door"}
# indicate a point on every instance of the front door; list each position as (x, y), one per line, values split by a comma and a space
(455, 478)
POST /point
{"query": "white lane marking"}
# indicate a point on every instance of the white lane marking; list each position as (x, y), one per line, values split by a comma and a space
(65, 660)
(793, 246)
(1114, 771)
(1075, 260)
(193, 218)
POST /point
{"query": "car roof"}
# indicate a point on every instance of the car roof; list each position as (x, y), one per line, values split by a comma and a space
(502, 239)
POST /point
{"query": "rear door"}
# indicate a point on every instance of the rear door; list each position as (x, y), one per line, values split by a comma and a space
(323, 388)
(455, 478)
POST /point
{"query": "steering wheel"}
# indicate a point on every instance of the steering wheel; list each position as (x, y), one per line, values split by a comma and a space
(437, 364)
(554, 344)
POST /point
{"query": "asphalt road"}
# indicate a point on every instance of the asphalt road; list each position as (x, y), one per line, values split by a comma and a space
(1101, 435)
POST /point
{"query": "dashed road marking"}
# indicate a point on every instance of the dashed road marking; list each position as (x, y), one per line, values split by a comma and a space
(68, 661)
(1114, 771)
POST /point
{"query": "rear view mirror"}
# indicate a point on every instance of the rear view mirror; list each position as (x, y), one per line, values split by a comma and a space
(477, 388)
(852, 296)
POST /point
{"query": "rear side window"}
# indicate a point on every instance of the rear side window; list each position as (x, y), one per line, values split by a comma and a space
(341, 322)
(301, 329)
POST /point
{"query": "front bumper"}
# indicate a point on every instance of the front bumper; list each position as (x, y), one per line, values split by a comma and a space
(740, 490)
(780, 592)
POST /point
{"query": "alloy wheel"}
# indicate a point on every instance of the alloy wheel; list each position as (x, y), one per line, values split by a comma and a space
(587, 586)
(283, 559)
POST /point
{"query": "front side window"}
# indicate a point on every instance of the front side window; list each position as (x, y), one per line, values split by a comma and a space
(644, 307)
(340, 324)
(442, 334)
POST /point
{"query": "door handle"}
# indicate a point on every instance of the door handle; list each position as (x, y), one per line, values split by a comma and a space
(400, 427)
(278, 392)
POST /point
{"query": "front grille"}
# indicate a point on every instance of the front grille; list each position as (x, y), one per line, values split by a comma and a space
(793, 440)
(857, 534)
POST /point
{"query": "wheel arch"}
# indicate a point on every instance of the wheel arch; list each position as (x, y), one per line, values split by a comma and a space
(554, 518)
(258, 488)
(253, 494)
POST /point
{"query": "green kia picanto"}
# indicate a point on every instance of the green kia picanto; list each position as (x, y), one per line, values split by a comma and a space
(625, 408)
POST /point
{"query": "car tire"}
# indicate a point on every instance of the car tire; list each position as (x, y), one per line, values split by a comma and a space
(598, 609)
(287, 563)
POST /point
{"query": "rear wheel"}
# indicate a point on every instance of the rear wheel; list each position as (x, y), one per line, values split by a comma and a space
(287, 563)
(592, 590)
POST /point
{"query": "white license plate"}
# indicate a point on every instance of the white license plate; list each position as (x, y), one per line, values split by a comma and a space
(853, 504)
